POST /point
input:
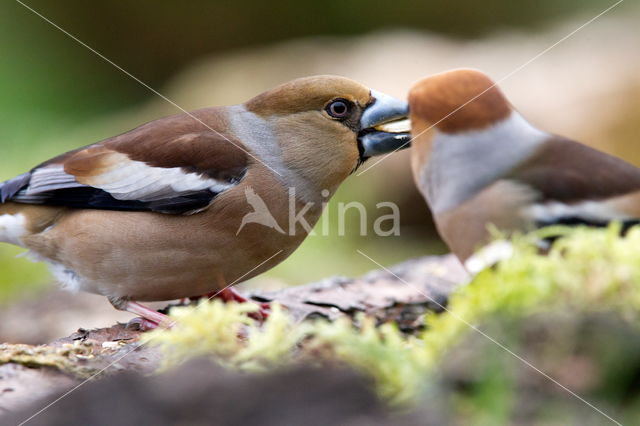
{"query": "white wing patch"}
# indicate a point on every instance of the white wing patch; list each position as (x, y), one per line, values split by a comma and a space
(134, 180)
(127, 180)
(588, 210)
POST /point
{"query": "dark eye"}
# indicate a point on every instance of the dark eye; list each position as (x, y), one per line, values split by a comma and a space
(338, 108)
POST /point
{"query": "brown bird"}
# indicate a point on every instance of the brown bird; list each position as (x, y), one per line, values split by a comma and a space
(157, 213)
(478, 162)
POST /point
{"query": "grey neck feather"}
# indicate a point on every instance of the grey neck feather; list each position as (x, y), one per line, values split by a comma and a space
(258, 136)
(463, 164)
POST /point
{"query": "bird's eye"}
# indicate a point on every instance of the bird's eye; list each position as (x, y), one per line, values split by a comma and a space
(338, 108)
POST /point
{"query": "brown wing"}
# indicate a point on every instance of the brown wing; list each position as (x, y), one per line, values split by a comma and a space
(569, 172)
(172, 165)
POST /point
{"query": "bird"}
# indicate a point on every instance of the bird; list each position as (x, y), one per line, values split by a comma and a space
(155, 213)
(260, 214)
(480, 164)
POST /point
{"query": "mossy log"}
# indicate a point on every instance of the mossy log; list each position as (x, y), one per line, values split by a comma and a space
(29, 373)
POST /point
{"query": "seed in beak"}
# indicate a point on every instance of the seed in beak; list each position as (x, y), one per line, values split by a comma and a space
(397, 126)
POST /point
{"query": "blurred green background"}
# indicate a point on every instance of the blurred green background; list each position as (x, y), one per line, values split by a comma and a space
(57, 94)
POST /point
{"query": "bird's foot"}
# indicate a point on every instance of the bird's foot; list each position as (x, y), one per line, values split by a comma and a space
(142, 324)
(150, 318)
(231, 295)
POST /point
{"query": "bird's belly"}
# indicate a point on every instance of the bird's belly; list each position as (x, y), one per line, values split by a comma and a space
(466, 227)
(150, 277)
(156, 261)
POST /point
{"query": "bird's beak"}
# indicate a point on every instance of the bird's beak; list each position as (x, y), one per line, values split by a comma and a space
(384, 126)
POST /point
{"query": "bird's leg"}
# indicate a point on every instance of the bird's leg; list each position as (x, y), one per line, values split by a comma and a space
(228, 294)
(142, 324)
(148, 315)
(231, 295)
(149, 318)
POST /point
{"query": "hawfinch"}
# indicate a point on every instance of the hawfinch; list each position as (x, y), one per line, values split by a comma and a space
(478, 162)
(157, 213)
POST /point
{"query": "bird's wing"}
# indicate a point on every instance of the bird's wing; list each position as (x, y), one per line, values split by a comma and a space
(579, 184)
(172, 165)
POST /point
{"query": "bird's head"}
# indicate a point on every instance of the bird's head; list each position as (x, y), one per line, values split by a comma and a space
(457, 101)
(326, 126)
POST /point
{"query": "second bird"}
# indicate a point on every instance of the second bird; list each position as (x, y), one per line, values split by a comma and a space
(478, 162)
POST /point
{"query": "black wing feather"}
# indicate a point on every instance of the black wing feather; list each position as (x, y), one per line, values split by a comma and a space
(11, 187)
(95, 198)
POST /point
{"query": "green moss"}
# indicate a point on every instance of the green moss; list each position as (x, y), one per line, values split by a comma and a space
(586, 271)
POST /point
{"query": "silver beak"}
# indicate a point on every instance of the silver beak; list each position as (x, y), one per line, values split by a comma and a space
(384, 126)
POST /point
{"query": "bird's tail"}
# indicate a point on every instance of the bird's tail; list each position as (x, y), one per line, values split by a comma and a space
(10, 187)
(12, 224)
